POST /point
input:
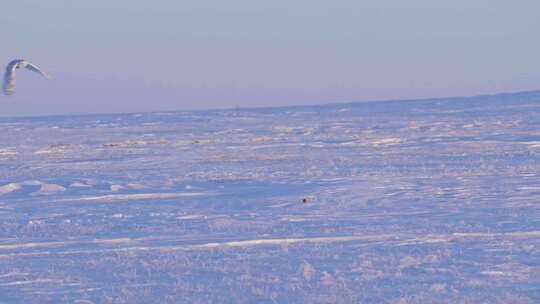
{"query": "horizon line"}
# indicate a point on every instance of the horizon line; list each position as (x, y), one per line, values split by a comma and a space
(250, 108)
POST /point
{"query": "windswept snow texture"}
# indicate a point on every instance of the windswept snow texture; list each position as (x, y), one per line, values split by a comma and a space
(434, 201)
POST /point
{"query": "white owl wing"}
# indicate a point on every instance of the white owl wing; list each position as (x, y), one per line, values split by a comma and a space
(33, 67)
(10, 77)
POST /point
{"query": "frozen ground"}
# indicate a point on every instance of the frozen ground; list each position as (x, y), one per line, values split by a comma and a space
(407, 202)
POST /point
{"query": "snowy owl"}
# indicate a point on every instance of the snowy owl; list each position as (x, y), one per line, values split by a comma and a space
(10, 75)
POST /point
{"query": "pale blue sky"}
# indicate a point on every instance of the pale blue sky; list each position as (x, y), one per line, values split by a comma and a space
(125, 56)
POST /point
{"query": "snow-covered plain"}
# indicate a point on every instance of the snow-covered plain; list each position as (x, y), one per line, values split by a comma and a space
(434, 201)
